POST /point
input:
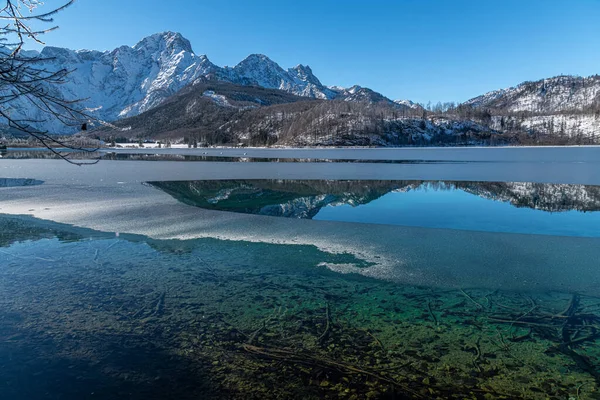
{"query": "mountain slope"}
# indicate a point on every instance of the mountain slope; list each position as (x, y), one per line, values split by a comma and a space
(202, 111)
(211, 112)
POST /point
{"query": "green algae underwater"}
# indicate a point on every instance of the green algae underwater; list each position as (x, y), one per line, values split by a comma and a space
(85, 315)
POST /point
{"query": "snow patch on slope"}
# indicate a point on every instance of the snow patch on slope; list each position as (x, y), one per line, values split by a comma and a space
(217, 98)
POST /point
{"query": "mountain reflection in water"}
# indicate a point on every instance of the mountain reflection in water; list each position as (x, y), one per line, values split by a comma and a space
(489, 206)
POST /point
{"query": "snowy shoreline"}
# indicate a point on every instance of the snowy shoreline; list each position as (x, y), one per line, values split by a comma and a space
(467, 154)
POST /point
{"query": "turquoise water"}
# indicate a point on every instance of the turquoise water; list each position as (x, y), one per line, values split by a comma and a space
(89, 315)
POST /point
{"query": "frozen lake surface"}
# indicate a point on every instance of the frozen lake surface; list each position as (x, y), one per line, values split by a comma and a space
(482, 154)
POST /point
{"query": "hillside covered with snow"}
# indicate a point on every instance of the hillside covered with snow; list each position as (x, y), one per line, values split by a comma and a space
(564, 94)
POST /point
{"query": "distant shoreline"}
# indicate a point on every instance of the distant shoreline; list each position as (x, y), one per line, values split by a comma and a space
(389, 148)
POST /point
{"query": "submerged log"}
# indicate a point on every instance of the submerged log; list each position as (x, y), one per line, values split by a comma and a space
(312, 360)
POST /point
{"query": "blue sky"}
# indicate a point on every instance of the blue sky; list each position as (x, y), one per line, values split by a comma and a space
(437, 50)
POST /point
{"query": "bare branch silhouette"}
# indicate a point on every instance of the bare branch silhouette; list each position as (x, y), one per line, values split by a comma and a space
(24, 77)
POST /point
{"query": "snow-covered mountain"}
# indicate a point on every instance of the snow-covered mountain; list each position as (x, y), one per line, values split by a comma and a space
(552, 95)
(260, 70)
(130, 80)
(361, 94)
(563, 107)
(121, 82)
(408, 103)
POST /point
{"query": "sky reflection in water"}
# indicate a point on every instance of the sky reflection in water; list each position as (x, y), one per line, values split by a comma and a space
(457, 209)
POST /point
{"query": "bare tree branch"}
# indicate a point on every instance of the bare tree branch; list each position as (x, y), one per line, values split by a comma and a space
(24, 77)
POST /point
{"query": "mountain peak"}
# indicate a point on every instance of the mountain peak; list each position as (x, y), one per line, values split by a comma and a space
(304, 73)
(256, 59)
(173, 41)
(303, 68)
(354, 89)
(407, 103)
(260, 70)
